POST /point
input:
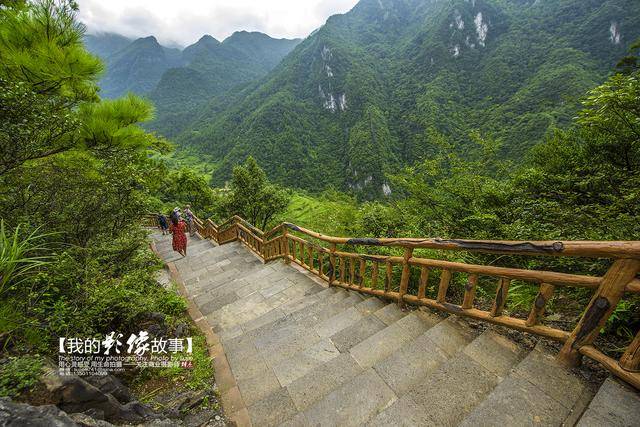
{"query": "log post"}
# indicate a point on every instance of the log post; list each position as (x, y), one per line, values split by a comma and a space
(343, 270)
(537, 311)
(602, 304)
(501, 297)
(470, 291)
(332, 263)
(352, 271)
(404, 279)
(320, 264)
(302, 255)
(294, 249)
(374, 274)
(445, 280)
(424, 279)
(285, 237)
(630, 360)
(388, 278)
(363, 271)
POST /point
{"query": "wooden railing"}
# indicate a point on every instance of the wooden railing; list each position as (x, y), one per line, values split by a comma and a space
(389, 277)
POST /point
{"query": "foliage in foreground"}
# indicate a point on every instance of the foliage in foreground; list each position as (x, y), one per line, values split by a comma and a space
(18, 374)
(76, 175)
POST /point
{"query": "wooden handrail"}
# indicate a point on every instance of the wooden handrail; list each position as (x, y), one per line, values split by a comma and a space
(349, 270)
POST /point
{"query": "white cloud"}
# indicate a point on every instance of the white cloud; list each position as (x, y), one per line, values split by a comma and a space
(184, 22)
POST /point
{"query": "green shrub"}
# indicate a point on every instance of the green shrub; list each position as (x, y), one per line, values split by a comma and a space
(18, 374)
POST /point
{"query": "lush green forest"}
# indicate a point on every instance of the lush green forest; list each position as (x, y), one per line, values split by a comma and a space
(362, 96)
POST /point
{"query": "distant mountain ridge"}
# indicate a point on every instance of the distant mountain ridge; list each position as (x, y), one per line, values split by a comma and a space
(178, 81)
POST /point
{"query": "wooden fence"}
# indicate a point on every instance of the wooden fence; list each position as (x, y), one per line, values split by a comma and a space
(389, 277)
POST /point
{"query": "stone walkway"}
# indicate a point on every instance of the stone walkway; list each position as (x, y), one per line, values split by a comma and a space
(297, 353)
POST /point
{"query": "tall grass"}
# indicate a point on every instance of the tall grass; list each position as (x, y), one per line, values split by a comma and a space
(20, 256)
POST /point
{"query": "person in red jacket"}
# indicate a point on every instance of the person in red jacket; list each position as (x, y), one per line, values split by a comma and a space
(177, 229)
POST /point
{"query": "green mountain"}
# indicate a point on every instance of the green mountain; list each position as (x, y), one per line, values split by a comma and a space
(179, 82)
(211, 69)
(363, 94)
(137, 67)
(105, 44)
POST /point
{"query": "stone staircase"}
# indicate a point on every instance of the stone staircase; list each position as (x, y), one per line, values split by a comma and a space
(303, 354)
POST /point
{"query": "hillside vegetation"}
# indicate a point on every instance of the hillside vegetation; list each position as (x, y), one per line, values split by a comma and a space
(180, 82)
(360, 97)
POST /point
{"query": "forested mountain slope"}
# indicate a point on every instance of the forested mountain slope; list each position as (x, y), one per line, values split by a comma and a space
(137, 67)
(105, 44)
(364, 93)
(179, 81)
(210, 69)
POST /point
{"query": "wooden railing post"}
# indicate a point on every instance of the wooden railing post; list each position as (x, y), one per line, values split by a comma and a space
(600, 307)
(630, 360)
(352, 271)
(445, 280)
(285, 237)
(539, 304)
(388, 278)
(424, 279)
(374, 274)
(470, 291)
(404, 278)
(501, 297)
(332, 263)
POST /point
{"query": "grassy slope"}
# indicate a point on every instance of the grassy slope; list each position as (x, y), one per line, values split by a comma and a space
(327, 214)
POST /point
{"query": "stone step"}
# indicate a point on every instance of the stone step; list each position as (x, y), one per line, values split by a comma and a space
(193, 245)
(353, 402)
(240, 315)
(239, 346)
(213, 284)
(410, 364)
(308, 359)
(315, 294)
(447, 394)
(370, 306)
(390, 313)
(267, 300)
(361, 329)
(615, 404)
(312, 373)
(286, 351)
(383, 343)
(338, 322)
(357, 332)
(304, 361)
(319, 382)
(216, 262)
(299, 334)
(538, 391)
(315, 317)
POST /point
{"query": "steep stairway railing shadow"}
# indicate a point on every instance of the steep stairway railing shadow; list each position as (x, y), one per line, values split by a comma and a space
(388, 276)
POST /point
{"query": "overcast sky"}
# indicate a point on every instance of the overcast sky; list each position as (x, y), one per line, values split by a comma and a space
(185, 21)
